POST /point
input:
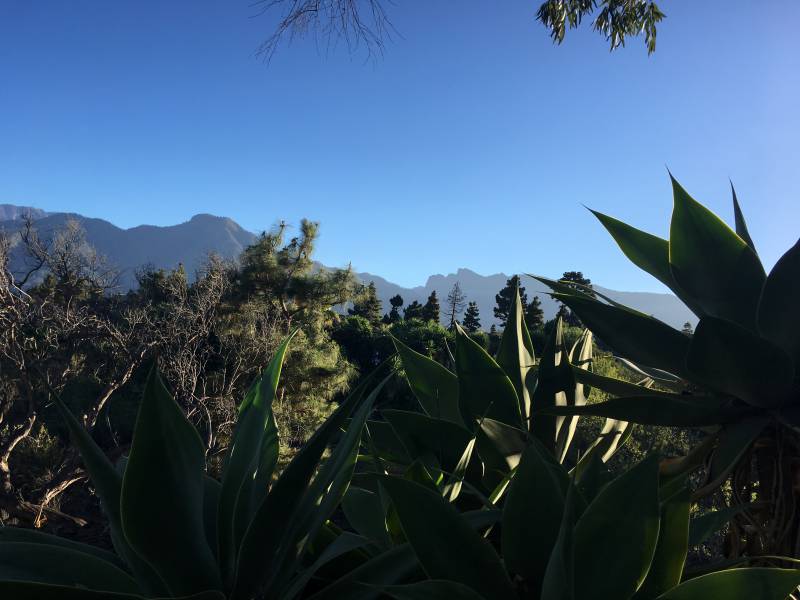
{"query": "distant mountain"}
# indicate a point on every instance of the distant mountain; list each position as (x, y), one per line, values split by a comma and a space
(483, 288)
(190, 242)
(163, 247)
(11, 212)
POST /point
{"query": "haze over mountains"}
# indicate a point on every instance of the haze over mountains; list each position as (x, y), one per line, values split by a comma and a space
(190, 242)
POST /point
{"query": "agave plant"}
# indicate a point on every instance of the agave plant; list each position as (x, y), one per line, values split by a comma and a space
(554, 536)
(474, 422)
(176, 531)
(472, 496)
(737, 378)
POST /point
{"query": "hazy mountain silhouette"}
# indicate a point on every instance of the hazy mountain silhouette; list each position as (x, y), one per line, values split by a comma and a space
(189, 243)
(483, 288)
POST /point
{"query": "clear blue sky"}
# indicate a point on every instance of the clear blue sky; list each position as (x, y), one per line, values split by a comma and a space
(472, 143)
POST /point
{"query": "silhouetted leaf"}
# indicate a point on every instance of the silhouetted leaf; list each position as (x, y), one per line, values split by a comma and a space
(251, 461)
(778, 318)
(447, 547)
(703, 527)
(435, 387)
(712, 264)
(730, 359)
(484, 390)
(162, 494)
(673, 534)
(617, 534)
(738, 584)
(58, 565)
(532, 514)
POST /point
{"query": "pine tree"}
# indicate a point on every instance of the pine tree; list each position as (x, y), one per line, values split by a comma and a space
(394, 313)
(534, 315)
(581, 283)
(472, 318)
(506, 297)
(687, 328)
(413, 311)
(430, 312)
(456, 300)
(367, 305)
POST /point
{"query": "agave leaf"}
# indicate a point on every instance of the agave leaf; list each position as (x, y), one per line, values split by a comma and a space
(107, 482)
(612, 436)
(393, 566)
(580, 358)
(366, 581)
(559, 576)
(532, 514)
(735, 440)
(211, 493)
(344, 543)
(591, 474)
(618, 533)
(435, 387)
(417, 473)
(777, 310)
(453, 488)
(58, 565)
(386, 444)
(161, 501)
(730, 359)
(672, 548)
(741, 224)
(27, 590)
(508, 442)
(662, 378)
(34, 536)
(737, 584)
(365, 514)
(666, 410)
(325, 493)
(636, 336)
(701, 528)
(648, 252)
(446, 545)
(432, 589)
(484, 390)
(712, 264)
(611, 385)
(422, 435)
(554, 381)
(276, 521)
(515, 354)
(251, 461)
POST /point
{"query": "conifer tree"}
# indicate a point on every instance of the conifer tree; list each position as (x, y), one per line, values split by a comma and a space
(456, 300)
(505, 297)
(413, 311)
(472, 320)
(580, 282)
(687, 328)
(534, 315)
(394, 314)
(430, 312)
(367, 305)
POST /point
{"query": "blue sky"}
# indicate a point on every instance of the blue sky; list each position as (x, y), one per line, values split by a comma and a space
(472, 143)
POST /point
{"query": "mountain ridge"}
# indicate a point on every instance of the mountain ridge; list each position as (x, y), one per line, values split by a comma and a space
(189, 243)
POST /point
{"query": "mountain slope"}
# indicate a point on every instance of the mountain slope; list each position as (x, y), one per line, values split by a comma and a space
(163, 247)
